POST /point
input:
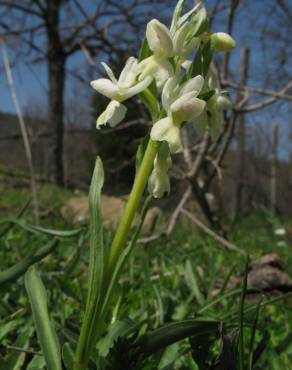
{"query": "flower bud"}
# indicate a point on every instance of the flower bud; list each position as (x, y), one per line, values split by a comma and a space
(223, 103)
(221, 41)
(158, 184)
(159, 39)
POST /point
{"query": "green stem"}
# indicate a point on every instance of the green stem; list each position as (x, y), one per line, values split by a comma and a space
(89, 335)
(140, 182)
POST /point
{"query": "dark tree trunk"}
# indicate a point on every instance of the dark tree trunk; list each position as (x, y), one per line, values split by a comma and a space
(56, 75)
(240, 165)
(56, 112)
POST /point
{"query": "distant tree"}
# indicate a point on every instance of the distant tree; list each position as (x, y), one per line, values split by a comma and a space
(52, 31)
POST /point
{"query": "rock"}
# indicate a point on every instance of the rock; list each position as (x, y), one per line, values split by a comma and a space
(266, 274)
(76, 211)
(272, 259)
(268, 278)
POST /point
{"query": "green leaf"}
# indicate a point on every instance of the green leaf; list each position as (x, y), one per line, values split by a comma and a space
(200, 23)
(275, 361)
(8, 328)
(162, 337)
(202, 60)
(11, 224)
(145, 51)
(241, 317)
(193, 283)
(92, 323)
(207, 95)
(45, 330)
(68, 356)
(206, 58)
(37, 363)
(15, 360)
(252, 337)
(116, 330)
(42, 230)
(169, 357)
(14, 272)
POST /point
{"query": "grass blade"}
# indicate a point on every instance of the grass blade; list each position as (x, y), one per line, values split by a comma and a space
(14, 272)
(253, 333)
(241, 317)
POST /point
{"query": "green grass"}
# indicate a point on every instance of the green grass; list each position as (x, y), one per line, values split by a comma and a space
(164, 281)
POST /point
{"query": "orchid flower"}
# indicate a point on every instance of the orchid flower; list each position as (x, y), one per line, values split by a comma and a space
(160, 43)
(186, 28)
(181, 105)
(158, 183)
(212, 115)
(119, 90)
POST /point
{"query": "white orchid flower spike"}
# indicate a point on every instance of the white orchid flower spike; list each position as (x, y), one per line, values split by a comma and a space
(181, 105)
(119, 90)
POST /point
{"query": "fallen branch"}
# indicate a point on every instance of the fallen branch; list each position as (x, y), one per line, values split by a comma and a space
(228, 245)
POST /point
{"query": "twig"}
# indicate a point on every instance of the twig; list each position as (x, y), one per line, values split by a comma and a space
(22, 129)
(228, 245)
(273, 99)
(277, 94)
(177, 211)
(19, 349)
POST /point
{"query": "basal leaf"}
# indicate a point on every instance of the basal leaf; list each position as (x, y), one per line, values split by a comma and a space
(44, 327)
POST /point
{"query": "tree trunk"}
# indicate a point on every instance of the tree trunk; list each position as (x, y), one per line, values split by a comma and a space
(56, 75)
(56, 112)
(274, 168)
(240, 165)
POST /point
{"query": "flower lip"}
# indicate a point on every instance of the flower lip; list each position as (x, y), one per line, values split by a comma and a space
(113, 114)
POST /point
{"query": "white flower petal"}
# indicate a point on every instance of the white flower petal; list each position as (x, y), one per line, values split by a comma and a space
(159, 38)
(158, 184)
(147, 67)
(176, 14)
(187, 107)
(163, 72)
(187, 64)
(105, 87)
(166, 130)
(195, 84)
(136, 89)
(179, 37)
(169, 92)
(113, 114)
(188, 14)
(109, 72)
(160, 69)
(129, 73)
